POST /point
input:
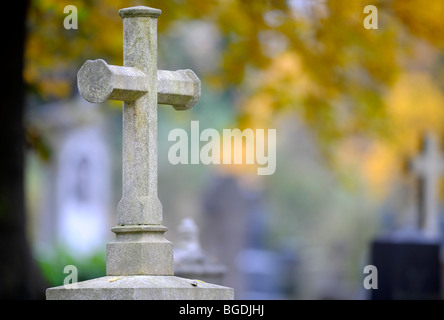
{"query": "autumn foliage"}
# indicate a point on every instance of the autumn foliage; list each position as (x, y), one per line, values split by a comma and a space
(368, 95)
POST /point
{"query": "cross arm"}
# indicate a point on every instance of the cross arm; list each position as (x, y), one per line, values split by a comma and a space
(97, 82)
(180, 88)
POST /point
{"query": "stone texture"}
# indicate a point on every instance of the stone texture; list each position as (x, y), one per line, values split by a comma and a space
(98, 82)
(139, 250)
(140, 255)
(139, 11)
(140, 288)
(180, 88)
(140, 203)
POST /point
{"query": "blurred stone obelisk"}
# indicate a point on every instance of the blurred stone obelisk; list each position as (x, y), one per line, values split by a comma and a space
(139, 262)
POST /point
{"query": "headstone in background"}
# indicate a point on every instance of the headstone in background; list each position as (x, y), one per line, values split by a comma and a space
(82, 188)
(254, 268)
(408, 261)
(225, 226)
(263, 273)
(140, 256)
(190, 260)
(334, 285)
(408, 267)
(268, 272)
(74, 207)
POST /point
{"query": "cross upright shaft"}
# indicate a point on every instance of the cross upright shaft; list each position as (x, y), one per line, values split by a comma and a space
(141, 87)
(139, 247)
(140, 203)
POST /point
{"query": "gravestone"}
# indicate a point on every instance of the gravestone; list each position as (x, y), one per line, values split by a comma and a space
(408, 261)
(73, 207)
(82, 185)
(139, 262)
(267, 270)
(226, 207)
(190, 260)
(255, 270)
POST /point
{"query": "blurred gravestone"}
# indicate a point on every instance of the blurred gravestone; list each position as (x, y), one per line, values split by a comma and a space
(190, 260)
(264, 269)
(225, 226)
(408, 267)
(408, 261)
(240, 241)
(74, 210)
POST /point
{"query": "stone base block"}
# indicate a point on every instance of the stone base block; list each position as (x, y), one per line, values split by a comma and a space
(140, 288)
(139, 250)
(139, 258)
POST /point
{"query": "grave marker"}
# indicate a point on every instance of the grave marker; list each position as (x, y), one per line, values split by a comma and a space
(140, 255)
(408, 261)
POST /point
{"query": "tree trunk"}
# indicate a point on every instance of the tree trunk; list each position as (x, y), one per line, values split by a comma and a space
(19, 276)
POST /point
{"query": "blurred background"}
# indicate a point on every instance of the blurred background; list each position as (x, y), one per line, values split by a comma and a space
(350, 106)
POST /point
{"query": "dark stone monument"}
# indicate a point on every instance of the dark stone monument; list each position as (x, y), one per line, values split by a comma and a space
(408, 267)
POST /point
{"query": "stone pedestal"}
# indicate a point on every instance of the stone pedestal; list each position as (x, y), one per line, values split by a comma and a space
(139, 266)
(140, 288)
(139, 249)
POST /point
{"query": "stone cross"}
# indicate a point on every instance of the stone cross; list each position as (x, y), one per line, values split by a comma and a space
(140, 247)
(429, 166)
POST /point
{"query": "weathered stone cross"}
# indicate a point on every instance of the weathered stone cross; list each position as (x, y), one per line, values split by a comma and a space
(140, 247)
(429, 166)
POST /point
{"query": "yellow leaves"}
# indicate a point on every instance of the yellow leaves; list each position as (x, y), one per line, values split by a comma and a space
(232, 11)
(327, 67)
(259, 110)
(286, 66)
(53, 54)
(274, 88)
(58, 88)
(49, 5)
(414, 105)
(423, 19)
(284, 85)
(381, 165)
(286, 75)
